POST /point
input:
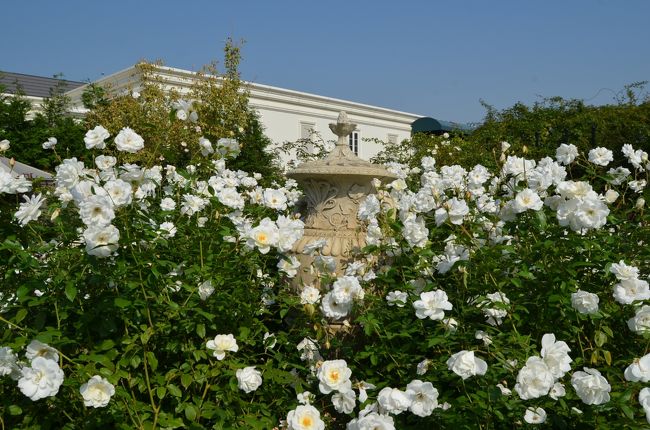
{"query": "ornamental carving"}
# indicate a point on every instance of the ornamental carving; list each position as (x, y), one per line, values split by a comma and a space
(334, 187)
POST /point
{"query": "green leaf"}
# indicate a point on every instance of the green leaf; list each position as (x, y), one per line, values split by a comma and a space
(600, 338)
(190, 412)
(200, 330)
(121, 303)
(186, 380)
(160, 392)
(135, 361)
(20, 315)
(152, 360)
(15, 410)
(608, 357)
(71, 292)
(541, 219)
(627, 411)
(106, 345)
(174, 390)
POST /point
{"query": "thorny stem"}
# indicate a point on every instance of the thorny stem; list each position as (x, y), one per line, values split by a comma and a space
(10, 323)
(156, 409)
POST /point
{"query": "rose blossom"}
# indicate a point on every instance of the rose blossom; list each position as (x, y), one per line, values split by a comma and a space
(591, 386)
(95, 138)
(248, 379)
(432, 304)
(97, 392)
(42, 379)
(129, 141)
(222, 343)
(334, 375)
(304, 417)
(584, 302)
(464, 364)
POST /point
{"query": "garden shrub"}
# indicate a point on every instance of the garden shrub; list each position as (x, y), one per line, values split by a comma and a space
(216, 107)
(161, 296)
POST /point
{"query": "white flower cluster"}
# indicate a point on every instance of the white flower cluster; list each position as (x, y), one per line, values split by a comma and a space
(630, 288)
(337, 303)
(11, 183)
(539, 377)
(43, 377)
(249, 378)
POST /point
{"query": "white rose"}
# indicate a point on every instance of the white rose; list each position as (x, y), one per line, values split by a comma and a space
(95, 138)
(424, 397)
(432, 304)
(344, 402)
(248, 379)
(264, 236)
(333, 309)
(42, 379)
(639, 370)
(167, 204)
(97, 392)
(640, 323)
(205, 290)
(50, 143)
(222, 343)
(372, 421)
(101, 241)
(4, 145)
(644, 401)
(565, 154)
(624, 272)
(304, 417)
(129, 141)
(585, 302)
(534, 379)
(309, 295)
(591, 386)
(464, 364)
(8, 364)
(556, 355)
(397, 298)
(37, 348)
(393, 400)
(601, 156)
(334, 375)
(611, 196)
(535, 415)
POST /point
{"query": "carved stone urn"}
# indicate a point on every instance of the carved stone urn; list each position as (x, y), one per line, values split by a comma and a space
(334, 187)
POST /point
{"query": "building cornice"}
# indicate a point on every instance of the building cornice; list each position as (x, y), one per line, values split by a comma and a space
(181, 80)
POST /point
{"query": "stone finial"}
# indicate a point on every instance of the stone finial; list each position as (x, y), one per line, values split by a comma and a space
(342, 128)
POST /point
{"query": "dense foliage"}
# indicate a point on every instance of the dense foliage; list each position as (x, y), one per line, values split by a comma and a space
(216, 107)
(156, 296)
(28, 134)
(537, 130)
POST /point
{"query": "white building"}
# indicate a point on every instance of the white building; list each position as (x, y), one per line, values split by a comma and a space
(286, 115)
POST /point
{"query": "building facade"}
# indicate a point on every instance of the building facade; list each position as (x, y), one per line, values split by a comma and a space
(286, 115)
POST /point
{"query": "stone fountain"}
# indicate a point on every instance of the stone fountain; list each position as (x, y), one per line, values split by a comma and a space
(334, 187)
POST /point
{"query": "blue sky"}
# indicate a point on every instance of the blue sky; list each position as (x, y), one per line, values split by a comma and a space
(432, 58)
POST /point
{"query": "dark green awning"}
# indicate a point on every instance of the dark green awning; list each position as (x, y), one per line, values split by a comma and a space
(436, 126)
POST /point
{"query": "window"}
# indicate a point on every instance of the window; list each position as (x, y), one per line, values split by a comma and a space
(306, 129)
(392, 139)
(353, 141)
(306, 132)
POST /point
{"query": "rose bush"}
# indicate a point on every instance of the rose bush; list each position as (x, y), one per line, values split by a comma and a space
(160, 296)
